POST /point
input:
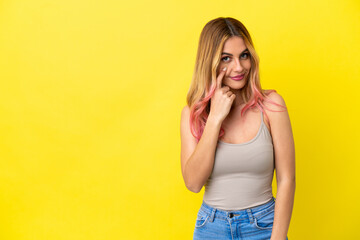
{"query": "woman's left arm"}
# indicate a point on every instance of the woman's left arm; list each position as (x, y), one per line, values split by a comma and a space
(284, 149)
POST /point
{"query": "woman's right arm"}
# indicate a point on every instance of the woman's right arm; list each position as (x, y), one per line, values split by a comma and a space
(197, 159)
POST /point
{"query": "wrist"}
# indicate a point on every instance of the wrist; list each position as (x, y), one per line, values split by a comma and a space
(214, 120)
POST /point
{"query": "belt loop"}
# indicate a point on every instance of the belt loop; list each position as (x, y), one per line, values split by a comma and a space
(212, 215)
(251, 217)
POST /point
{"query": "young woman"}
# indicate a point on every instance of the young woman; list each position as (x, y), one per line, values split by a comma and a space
(234, 135)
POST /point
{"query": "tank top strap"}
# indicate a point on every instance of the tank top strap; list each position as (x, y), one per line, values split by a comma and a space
(264, 125)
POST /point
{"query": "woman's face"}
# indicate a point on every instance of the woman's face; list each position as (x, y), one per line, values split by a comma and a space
(236, 58)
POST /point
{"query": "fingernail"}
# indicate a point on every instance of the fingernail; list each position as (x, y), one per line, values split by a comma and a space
(224, 69)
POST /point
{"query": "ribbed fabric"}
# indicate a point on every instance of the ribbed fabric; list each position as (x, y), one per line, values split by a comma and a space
(242, 173)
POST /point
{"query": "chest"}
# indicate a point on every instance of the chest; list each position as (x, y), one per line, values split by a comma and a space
(241, 129)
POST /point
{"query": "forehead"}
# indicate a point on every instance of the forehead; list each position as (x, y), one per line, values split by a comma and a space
(234, 44)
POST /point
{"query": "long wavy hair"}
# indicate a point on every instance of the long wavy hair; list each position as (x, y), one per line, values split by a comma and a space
(203, 84)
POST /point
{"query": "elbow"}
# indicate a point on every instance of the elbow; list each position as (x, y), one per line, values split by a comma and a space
(193, 188)
(192, 184)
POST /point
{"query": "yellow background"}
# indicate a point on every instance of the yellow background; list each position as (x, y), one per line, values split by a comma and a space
(90, 101)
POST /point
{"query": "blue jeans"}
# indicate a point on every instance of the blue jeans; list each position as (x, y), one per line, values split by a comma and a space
(250, 224)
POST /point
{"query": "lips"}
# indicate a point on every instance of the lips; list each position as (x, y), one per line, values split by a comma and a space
(238, 77)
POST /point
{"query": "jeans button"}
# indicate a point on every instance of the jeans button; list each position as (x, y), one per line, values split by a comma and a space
(231, 215)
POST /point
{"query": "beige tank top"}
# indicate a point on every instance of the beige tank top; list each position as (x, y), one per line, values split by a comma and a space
(242, 174)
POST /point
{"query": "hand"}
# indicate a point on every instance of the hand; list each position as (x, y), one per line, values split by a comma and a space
(221, 101)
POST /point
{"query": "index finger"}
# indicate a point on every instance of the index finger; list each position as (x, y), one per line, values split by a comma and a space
(220, 77)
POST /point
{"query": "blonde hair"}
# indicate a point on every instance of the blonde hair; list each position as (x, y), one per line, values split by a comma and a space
(203, 84)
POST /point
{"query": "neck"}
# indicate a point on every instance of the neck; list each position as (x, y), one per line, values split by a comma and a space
(238, 100)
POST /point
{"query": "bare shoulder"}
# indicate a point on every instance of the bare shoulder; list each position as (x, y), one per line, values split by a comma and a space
(274, 112)
(185, 110)
(277, 98)
(279, 120)
(185, 115)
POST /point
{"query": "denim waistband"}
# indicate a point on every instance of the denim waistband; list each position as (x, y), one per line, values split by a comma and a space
(238, 214)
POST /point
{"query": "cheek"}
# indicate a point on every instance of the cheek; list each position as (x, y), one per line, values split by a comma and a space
(222, 65)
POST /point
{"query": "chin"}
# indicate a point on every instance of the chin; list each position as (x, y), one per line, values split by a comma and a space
(236, 86)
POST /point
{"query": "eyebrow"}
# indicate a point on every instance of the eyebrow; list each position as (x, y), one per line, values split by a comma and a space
(231, 54)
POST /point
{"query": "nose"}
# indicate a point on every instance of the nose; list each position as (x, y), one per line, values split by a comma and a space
(237, 66)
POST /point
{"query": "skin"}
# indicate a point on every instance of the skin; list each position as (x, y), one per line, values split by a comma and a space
(236, 64)
(242, 129)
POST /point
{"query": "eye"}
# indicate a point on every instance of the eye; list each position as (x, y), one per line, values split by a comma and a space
(247, 55)
(223, 59)
(244, 56)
